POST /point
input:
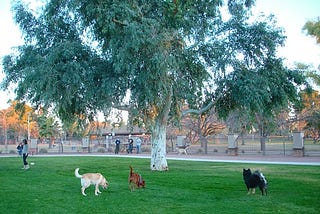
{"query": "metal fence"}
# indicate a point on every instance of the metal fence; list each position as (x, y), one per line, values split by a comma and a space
(251, 145)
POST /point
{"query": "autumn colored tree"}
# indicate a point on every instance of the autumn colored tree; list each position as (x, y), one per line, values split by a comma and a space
(17, 124)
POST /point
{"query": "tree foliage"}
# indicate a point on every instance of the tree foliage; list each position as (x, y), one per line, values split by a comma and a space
(313, 28)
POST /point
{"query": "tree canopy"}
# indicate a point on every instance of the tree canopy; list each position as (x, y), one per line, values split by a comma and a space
(150, 57)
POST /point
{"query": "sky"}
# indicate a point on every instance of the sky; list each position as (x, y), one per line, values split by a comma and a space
(290, 14)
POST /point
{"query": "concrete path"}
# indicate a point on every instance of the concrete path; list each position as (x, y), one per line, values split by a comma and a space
(267, 159)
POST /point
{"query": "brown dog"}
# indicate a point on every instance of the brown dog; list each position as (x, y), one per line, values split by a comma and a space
(91, 178)
(135, 180)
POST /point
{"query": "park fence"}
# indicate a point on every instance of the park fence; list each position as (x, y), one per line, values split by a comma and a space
(216, 145)
(233, 144)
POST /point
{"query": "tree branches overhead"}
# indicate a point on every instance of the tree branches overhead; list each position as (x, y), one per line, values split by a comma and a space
(81, 57)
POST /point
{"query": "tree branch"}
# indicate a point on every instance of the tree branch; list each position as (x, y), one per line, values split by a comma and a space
(118, 22)
(204, 109)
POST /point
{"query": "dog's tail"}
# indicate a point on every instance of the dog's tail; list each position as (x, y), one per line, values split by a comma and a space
(263, 180)
(76, 173)
(130, 170)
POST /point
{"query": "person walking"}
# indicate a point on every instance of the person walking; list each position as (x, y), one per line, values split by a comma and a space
(130, 146)
(25, 153)
(138, 145)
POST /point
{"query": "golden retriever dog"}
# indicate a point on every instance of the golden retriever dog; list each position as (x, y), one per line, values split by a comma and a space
(91, 178)
(135, 180)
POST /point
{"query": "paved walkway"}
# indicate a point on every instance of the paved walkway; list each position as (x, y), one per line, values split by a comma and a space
(263, 159)
(253, 159)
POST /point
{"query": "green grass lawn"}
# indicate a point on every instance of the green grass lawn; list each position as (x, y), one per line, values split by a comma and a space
(188, 187)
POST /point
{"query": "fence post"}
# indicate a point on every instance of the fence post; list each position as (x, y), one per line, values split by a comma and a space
(298, 146)
(232, 144)
(85, 144)
(34, 146)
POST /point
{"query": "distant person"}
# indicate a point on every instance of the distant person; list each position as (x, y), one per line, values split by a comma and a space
(138, 145)
(117, 142)
(25, 154)
(19, 149)
(130, 146)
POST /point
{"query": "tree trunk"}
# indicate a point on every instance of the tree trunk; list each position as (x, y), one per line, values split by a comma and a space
(158, 148)
(158, 141)
(263, 140)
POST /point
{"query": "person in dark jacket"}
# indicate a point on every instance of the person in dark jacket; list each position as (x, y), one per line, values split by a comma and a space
(130, 146)
(117, 142)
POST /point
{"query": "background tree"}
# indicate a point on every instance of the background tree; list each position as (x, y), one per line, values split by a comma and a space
(308, 115)
(81, 57)
(199, 127)
(312, 28)
(259, 85)
(14, 122)
(48, 128)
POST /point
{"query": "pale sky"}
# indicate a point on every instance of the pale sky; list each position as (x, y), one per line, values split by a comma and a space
(291, 15)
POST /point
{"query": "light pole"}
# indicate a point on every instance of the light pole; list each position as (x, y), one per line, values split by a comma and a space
(4, 124)
(28, 126)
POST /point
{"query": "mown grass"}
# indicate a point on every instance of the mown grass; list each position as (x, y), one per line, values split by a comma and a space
(188, 187)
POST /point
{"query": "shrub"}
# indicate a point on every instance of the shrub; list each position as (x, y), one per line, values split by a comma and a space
(43, 150)
(200, 151)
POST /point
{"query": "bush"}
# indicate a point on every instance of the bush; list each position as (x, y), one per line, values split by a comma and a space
(43, 150)
(200, 151)
(101, 150)
(146, 149)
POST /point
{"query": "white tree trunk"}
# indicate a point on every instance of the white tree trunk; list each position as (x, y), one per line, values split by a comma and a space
(158, 148)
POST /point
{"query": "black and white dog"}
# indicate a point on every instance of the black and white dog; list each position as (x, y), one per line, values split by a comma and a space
(254, 180)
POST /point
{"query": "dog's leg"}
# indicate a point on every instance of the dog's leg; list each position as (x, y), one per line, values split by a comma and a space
(82, 190)
(84, 185)
(263, 190)
(248, 190)
(253, 190)
(131, 186)
(97, 190)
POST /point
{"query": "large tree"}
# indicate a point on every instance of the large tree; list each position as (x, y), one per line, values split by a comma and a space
(150, 57)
